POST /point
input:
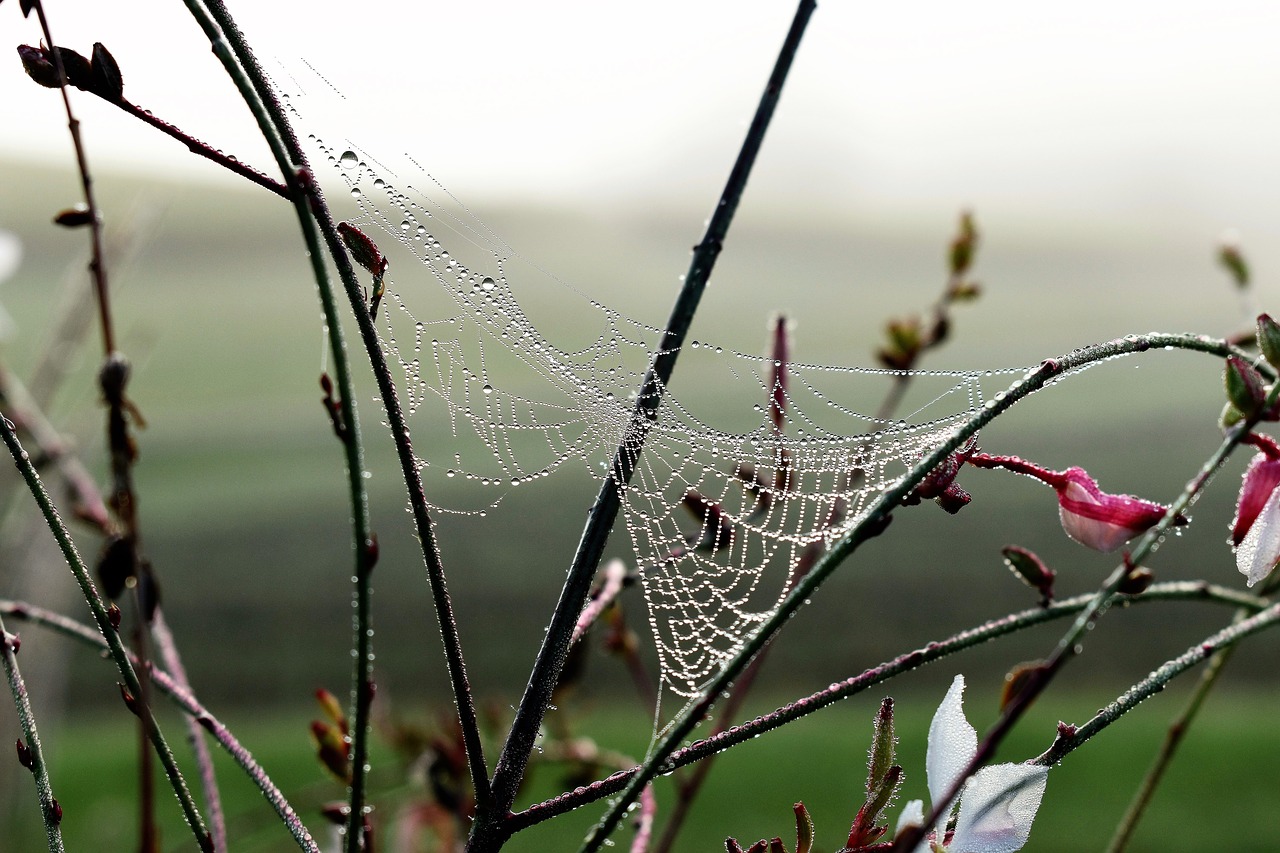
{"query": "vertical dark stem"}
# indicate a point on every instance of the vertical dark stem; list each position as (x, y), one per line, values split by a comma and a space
(276, 126)
(488, 833)
(113, 377)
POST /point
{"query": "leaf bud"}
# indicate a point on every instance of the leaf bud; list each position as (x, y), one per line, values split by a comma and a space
(25, 757)
(1230, 256)
(1245, 389)
(1230, 416)
(105, 79)
(1269, 339)
(1031, 570)
(74, 217)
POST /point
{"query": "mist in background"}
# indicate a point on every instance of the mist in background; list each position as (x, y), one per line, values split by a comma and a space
(1103, 149)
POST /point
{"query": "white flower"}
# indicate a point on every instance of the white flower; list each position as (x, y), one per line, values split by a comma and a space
(997, 804)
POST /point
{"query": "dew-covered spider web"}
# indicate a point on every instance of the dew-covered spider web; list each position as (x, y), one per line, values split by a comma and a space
(747, 472)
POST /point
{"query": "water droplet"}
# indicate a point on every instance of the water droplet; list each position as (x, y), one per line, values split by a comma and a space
(487, 283)
(487, 389)
(348, 160)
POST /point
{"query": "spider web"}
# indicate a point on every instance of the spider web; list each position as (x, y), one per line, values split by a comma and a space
(720, 520)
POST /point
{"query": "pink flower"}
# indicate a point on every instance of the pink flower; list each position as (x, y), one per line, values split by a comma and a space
(1090, 516)
(1255, 531)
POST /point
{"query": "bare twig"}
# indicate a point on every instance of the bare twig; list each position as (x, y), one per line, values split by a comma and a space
(30, 754)
(749, 729)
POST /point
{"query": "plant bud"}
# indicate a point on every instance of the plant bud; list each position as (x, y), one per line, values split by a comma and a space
(1031, 570)
(105, 79)
(25, 758)
(1244, 385)
(1269, 339)
(1230, 417)
(1137, 581)
(332, 708)
(74, 217)
(1230, 256)
(363, 250)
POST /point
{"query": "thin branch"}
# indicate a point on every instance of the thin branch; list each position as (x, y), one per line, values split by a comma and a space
(29, 752)
(488, 831)
(1005, 625)
(872, 523)
(1069, 645)
(103, 621)
(292, 166)
(195, 733)
(195, 146)
(185, 700)
(1177, 730)
(1068, 741)
(1172, 740)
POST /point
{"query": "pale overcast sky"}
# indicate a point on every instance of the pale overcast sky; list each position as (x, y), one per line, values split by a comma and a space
(1121, 107)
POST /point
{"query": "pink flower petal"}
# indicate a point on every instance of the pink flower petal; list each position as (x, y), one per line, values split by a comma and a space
(1099, 520)
(1260, 481)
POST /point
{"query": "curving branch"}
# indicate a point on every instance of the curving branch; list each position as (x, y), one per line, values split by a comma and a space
(1003, 626)
(872, 523)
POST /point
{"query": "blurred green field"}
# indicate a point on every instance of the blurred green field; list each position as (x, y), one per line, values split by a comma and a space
(244, 510)
(1218, 796)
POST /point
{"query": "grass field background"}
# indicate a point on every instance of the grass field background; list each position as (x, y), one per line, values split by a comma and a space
(244, 510)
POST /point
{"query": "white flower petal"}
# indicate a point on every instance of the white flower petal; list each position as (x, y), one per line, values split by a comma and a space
(997, 808)
(1257, 554)
(912, 815)
(952, 745)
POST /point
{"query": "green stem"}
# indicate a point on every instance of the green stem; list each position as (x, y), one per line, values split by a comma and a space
(1067, 742)
(185, 700)
(1071, 642)
(118, 652)
(488, 832)
(1178, 730)
(33, 756)
(877, 515)
(1172, 740)
(298, 181)
(1012, 623)
(441, 602)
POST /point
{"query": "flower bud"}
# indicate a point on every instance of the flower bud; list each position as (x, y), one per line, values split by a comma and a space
(1031, 570)
(1245, 389)
(1230, 417)
(105, 79)
(1230, 256)
(964, 246)
(1269, 339)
